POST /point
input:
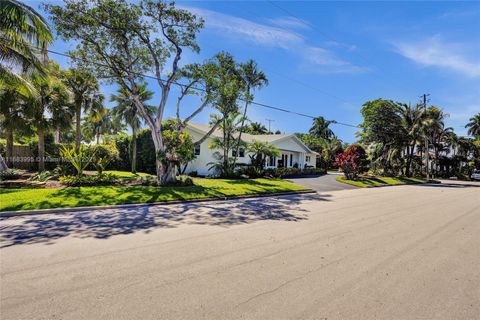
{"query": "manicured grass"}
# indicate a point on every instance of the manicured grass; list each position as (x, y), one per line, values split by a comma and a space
(380, 181)
(29, 199)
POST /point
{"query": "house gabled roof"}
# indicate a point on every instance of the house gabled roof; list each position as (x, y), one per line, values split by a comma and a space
(249, 138)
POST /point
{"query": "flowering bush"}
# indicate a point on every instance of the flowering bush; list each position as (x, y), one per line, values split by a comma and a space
(350, 162)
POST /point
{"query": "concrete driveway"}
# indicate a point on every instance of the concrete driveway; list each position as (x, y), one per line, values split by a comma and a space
(323, 183)
(406, 252)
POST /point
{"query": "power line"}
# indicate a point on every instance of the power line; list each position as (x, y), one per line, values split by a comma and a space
(193, 87)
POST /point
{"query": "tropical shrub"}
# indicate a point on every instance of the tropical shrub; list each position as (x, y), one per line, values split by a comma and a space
(350, 162)
(104, 154)
(362, 153)
(124, 161)
(288, 172)
(84, 180)
(181, 181)
(10, 174)
(261, 150)
(79, 158)
(251, 171)
(47, 175)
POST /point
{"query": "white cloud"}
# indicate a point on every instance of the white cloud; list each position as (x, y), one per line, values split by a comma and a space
(437, 53)
(272, 36)
(248, 30)
(290, 22)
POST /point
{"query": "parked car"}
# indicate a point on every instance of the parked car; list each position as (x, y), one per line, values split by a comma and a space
(475, 175)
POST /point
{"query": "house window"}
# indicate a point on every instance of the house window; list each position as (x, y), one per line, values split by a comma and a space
(196, 150)
(291, 159)
(307, 158)
(241, 152)
(271, 161)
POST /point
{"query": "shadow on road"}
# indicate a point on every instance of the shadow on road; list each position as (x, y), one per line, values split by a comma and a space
(451, 185)
(103, 224)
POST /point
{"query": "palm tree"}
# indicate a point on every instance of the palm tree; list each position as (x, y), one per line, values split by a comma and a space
(261, 150)
(98, 123)
(256, 128)
(433, 128)
(12, 117)
(320, 128)
(412, 123)
(25, 37)
(52, 104)
(330, 149)
(127, 112)
(86, 96)
(254, 79)
(474, 126)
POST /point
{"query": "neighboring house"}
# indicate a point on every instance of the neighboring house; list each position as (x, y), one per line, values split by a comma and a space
(293, 152)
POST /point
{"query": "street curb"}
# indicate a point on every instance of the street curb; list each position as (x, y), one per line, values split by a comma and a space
(8, 214)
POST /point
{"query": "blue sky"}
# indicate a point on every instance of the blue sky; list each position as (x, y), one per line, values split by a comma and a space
(328, 58)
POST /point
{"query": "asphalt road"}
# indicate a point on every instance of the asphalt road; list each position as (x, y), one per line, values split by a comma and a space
(323, 183)
(405, 252)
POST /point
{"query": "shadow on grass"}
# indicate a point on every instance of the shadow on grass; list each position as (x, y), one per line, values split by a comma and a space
(106, 223)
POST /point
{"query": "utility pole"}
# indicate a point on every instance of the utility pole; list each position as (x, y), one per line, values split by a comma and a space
(269, 122)
(424, 96)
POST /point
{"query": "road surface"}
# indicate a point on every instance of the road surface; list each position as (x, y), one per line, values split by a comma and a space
(406, 252)
(323, 183)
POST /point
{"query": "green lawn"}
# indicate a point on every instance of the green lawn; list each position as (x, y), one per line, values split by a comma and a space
(380, 181)
(29, 199)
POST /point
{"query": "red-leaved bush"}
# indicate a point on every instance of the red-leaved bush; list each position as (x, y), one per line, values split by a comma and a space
(349, 162)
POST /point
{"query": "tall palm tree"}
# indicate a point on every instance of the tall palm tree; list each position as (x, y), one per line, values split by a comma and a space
(254, 79)
(127, 112)
(86, 96)
(12, 116)
(52, 104)
(99, 123)
(433, 128)
(320, 128)
(474, 126)
(412, 123)
(25, 36)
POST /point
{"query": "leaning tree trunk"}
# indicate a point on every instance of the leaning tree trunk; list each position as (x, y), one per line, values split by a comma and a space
(41, 150)
(9, 150)
(78, 132)
(134, 150)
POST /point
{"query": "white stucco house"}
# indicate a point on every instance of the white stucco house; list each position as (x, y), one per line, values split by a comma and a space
(294, 153)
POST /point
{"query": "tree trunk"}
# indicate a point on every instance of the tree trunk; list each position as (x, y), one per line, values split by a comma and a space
(241, 129)
(78, 132)
(57, 136)
(165, 173)
(3, 165)
(9, 150)
(134, 150)
(41, 150)
(409, 159)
